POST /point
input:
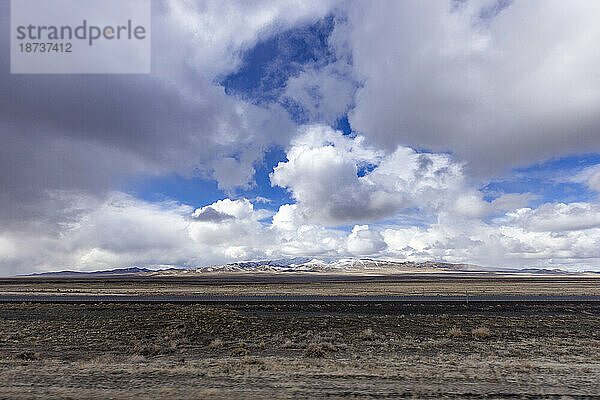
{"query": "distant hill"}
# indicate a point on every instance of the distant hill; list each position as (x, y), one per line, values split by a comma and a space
(118, 271)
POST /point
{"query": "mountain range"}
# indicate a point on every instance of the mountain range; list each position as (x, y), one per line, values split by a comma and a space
(305, 265)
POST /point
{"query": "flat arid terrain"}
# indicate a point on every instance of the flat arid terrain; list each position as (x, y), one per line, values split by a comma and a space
(446, 284)
(301, 350)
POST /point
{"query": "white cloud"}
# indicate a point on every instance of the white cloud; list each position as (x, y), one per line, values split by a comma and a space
(364, 242)
(121, 231)
(116, 231)
(557, 217)
(76, 230)
(471, 204)
(198, 43)
(175, 120)
(243, 230)
(497, 245)
(322, 173)
(589, 176)
(325, 94)
(594, 182)
(295, 236)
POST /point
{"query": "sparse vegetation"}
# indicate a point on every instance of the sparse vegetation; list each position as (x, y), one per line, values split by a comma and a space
(481, 333)
(366, 333)
(315, 351)
(27, 356)
(253, 361)
(155, 349)
(313, 284)
(319, 350)
(455, 332)
(240, 351)
(107, 359)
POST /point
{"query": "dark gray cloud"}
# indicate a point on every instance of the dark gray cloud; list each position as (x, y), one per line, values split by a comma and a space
(209, 214)
(88, 132)
(480, 81)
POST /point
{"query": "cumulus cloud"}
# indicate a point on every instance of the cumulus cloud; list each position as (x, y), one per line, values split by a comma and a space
(497, 244)
(363, 241)
(298, 237)
(323, 174)
(119, 231)
(469, 203)
(236, 234)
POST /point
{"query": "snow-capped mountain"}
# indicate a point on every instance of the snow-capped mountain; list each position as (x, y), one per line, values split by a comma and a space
(343, 265)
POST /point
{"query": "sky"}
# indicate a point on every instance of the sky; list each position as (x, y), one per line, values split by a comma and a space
(456, 131)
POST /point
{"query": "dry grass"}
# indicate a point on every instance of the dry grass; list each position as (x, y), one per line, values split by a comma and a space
(315, 351)
(240, 351)
(455, 333)
(366, 333)
(108, 359)
(27, 356)
(319, 350)
(253, 361)
(151, 349)
(481, 333)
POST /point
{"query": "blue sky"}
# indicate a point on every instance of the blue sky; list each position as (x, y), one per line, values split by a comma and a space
(550, 180)
(451, 131)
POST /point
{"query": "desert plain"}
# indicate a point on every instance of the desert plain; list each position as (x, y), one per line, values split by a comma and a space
(288, 350)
